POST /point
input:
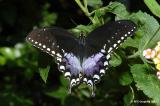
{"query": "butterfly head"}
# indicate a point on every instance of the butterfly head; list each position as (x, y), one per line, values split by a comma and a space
(82, 38)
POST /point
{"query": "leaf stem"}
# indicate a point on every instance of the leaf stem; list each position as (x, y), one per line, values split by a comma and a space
(132, 93)
(134, 55)
(151, 38)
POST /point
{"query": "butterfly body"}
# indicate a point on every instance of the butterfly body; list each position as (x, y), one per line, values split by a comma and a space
(82, 59)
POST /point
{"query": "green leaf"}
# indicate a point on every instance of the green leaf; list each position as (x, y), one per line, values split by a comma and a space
(12, 99)
(153, 6)
(115, 60)
(94, 3)
(149, 26)
(146, 82)
(63, 81)
(148, 31)
(85, 93)
(131, 43)
(125, 79)
(59, 94)
(118, 9)
(155, 38)
(85, 29)
(2, 60)
(114, 7)
(7, 52)
(44, 73)
(128, 98)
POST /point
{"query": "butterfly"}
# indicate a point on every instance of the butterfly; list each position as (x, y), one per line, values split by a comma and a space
(82, 59)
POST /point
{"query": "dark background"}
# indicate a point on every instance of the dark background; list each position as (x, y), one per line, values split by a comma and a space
(21, 85)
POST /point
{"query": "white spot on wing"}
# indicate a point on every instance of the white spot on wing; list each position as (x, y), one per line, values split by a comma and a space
(103, 51)
(118, 41)
(122, 37)
(53, 52)
(129, 32)
(59, 59)
(67, 74)
(77, 80)
(44, 46)
(106, 68)
(58, 55)
(36, 42)
(115, 45)
(40, 44)
(84, 79)
(96, 77)
(65, 54)
(104, 47)
(105, 63)
(108, 56)
(89, 82)
(53, 44)
(62, 50)
(48, 49)
(110, 49)
(102, 71)
(62, 67)
(73, 82)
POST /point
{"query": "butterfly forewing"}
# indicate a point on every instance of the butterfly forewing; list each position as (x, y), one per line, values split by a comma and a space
(51, 40)
(111, 35)
(54, 41)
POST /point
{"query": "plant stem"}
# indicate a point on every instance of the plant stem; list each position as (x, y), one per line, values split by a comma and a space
(132, 93)
(85, 4)
(136, 54)
(85, 9)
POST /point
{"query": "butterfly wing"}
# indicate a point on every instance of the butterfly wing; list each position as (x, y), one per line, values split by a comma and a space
(103, 41)
(62, 46)
(110, 35)
(54, 39)
(65, 48)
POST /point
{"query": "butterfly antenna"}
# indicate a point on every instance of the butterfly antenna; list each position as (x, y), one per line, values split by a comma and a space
(74, 22)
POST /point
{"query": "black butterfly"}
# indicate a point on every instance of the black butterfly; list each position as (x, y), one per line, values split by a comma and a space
(83, 59)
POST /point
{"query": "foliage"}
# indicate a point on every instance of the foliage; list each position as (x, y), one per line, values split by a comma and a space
(153, 6)
(44, 73)
(130, 77)
(146, 82)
